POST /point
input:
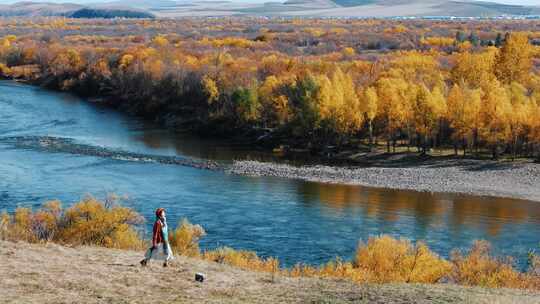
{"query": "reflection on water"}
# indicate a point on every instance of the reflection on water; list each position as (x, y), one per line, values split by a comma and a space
(294, 220)
(155, 137)
(429, 209)
(185, 144)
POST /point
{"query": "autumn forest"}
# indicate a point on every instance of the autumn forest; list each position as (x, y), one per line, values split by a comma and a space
(470, 87)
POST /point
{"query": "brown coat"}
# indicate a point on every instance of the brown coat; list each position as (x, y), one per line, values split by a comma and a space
(157, 233)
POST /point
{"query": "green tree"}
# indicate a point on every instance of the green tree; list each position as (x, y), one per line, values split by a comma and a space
(460, 36)
(246, 104)
(473, 38)
(499, 40)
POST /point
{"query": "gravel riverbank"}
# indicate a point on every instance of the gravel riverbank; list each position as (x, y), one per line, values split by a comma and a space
(476, 177)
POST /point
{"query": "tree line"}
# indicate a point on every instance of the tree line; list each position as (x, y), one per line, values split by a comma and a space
(473, 99)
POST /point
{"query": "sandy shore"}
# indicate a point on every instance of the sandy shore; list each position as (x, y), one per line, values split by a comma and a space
(476, 177)
(49, 273)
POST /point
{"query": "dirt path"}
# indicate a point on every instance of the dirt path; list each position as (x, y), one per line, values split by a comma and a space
(54, 274)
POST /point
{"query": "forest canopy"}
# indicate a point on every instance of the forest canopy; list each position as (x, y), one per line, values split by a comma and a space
(468, 85)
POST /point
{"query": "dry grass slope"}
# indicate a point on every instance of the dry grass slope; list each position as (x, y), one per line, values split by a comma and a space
(382, 259)
(50, 273)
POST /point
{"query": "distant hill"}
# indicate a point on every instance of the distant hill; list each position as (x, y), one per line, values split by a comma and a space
(46, 9)
(109, 13)
(144, 4)
(391, 8)
(307, 8)
(478, 8)
(311, 3)
(33, 9)
(333, 2)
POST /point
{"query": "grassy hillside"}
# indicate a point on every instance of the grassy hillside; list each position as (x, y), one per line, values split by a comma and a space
(48, 273)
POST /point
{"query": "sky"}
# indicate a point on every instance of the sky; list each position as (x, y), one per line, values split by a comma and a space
(521, 2)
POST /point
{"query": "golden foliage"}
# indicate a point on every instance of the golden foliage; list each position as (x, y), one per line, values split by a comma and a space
(477, 91)
(273, 100)
(242, 259)
(382, 259)
(5, 220)
(438, 41)
(385, 259)
(160, 41)
(88, 222)
(495, 106)
(338, 103)
(348, 52)
(514, 60)
(185, 239)
(125, 61)
(474, 69)
(231, 42)
(101, 67)
(478, 268)
(394, 102)
(5, 43)
(398, 29)
(464, 107)
(4, 70)
(371, 103)
(67, 62)
(210, 89)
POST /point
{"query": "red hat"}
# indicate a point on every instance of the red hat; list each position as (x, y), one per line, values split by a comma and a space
(158, 211)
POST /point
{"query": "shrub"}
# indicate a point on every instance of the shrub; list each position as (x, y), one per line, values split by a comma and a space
(4, 70)
(385, 259)
(20, 226)
(339, 269)
(243, 259)
(87, 222)
(44, 224)
(534, 264)
(5, 219)
(478, 268)
(185, 239)
(301, 270)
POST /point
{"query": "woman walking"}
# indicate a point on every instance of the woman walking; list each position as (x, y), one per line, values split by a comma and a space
(160, 250)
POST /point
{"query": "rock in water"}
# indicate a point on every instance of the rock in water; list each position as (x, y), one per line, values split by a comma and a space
(199, 277)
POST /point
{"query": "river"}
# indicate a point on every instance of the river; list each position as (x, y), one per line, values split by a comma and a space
(58, 146)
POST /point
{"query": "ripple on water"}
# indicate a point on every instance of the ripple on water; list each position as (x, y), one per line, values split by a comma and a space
(67, 145)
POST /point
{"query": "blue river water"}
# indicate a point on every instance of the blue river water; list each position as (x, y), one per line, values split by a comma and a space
(296, 221)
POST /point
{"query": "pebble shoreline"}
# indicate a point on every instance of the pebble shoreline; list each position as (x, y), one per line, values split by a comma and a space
(474, 177)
